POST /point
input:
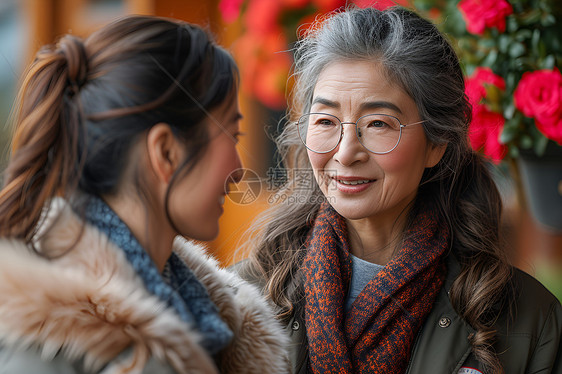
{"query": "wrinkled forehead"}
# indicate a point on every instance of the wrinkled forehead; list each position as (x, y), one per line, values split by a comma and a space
(356, 80)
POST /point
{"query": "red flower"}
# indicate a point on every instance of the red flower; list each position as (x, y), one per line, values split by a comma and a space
(486, 125)
(262, 16)
(266, 65)
(480, 79)
(380, 4)
(482, 14)
(328, 5)
(539, 95)
(270, 80)
(295, 4)
(485, 131)
(230, 9)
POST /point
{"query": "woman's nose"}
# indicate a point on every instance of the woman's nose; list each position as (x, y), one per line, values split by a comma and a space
(350, 149)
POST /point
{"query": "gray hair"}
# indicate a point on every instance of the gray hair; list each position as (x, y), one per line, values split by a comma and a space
(418, 58)
(415, 55)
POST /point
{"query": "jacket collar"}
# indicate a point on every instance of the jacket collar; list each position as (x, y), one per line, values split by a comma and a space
(87, 302)
(82, 298)
(184, 293)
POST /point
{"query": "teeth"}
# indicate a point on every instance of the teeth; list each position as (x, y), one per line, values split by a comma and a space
(221, 200)
(353, 183)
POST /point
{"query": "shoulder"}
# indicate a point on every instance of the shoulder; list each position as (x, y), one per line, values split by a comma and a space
(75, 305)
(532, 302)
(259, 341)
(532, 310)
(530, 331)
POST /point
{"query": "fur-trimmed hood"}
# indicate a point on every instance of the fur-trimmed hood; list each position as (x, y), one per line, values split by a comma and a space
(88, 303)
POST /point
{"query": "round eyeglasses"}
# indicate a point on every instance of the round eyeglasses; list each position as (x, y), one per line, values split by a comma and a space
(322, 132)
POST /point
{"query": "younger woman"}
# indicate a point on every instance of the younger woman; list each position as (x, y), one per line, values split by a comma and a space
(122, 145)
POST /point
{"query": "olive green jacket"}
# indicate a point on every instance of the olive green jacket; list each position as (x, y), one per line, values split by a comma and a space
(529, 343)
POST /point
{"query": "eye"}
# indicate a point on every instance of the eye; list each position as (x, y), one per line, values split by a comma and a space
(324, 122)
(377, 123)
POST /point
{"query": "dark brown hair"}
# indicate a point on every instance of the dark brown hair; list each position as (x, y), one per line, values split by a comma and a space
(83, 103)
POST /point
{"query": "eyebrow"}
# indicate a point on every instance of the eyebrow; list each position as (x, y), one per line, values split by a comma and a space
(371, 105)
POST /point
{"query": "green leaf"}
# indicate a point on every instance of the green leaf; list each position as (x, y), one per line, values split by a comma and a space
(516, 50)
(509, 110)
(491, 43)
(548, 20)
(514, 152)
(526, 141)
(531, 17)
(511, 24)
(540, 145)
(491, 58)
(510, 80)
(503, 43)
(509, 133)
(548, 62)
(523, 34)
(542, 50)
(535, 41)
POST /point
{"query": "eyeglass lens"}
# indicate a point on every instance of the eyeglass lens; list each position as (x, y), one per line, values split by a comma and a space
(321, 132)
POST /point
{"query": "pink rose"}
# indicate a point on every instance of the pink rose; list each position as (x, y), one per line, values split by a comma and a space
(482, 14)
(486, 126)
(539, 95)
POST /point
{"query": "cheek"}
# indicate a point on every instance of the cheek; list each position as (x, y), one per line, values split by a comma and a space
(215, 168)
(395, 162)
(319, 163)
(318, 160)
(406, 165)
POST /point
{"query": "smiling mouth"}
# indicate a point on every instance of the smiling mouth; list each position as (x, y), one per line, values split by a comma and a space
(355, 182)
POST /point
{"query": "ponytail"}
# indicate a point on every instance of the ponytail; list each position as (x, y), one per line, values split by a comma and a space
(45, 162)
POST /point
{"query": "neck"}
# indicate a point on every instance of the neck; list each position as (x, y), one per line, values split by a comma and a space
(375, 239)
(149, 228)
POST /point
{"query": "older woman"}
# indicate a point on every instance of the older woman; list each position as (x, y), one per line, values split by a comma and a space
(400, 269)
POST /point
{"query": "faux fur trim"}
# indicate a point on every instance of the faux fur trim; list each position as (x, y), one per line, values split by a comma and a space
(89, 302)
(259, 339)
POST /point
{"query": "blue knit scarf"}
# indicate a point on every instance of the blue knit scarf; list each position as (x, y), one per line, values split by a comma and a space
(183, 292)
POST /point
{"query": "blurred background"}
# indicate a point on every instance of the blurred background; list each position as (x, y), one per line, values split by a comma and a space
(497, 42)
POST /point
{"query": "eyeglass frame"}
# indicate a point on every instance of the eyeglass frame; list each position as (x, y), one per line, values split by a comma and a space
(356, 131)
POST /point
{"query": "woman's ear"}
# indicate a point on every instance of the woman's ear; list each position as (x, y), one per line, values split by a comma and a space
(435, 154)
(164, 151)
